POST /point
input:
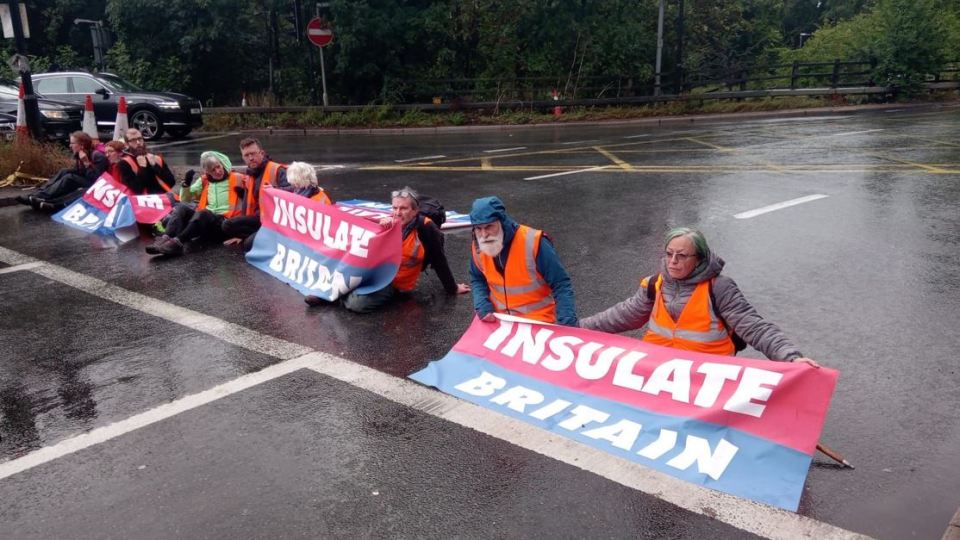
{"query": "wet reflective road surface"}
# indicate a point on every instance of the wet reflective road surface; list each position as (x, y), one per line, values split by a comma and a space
(865, 279)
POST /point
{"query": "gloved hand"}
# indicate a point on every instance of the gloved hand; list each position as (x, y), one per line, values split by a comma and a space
(240, 191)
(188, 178)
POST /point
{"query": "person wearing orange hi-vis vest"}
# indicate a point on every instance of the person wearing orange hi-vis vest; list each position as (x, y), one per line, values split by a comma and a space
(688, 305)
(515, 270)
(422, 246)
(221, 194)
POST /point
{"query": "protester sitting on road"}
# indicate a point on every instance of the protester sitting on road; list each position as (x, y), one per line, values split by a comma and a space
(221, 194)
(69, 184)
(302, 178)
(422, 246)
(515, 269)
(141, 171)
(690, 306)
(263, 172)
(114, 152)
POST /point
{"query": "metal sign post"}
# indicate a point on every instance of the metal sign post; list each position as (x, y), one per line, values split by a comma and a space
(319, 33)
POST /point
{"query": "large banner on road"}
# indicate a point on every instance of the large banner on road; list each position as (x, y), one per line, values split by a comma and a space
(741, 426)
(362, 208)
(321, 250)
(108, 208)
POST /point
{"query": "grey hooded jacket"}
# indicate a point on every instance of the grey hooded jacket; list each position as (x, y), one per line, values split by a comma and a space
(634, 312)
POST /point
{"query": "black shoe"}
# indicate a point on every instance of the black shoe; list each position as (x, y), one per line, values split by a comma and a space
(23, 199)
(154, 248)
(314, 300)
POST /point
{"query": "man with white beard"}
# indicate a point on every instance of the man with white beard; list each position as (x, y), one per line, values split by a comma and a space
(515, 269)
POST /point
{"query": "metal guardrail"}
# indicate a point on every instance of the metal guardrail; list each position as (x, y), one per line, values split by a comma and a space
(546, 104)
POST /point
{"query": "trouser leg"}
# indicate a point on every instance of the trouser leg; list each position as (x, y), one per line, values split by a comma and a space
(241, 226)
(368, 303)
(178, 219)
(204, 224)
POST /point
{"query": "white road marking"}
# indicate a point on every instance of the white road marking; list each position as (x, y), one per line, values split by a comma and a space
(792, 202)
(188, 141)
(846, 133)
(19, 267)
(418, 158)
(637, 136)
(581, 142)
(893, 110)
(495, 150)
(746, 515)
(568, 172)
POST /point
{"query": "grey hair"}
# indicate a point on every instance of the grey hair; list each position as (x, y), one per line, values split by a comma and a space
(210, 163)
(695, 236)
(301, 175)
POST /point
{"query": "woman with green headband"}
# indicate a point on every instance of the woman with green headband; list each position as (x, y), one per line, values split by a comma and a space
(221, 194)
(690, 306)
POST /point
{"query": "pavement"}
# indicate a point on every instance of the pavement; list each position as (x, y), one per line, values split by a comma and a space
(204, 399)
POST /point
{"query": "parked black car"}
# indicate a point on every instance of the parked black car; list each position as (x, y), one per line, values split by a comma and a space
(8, 126)
(58, 119)
(153, 113)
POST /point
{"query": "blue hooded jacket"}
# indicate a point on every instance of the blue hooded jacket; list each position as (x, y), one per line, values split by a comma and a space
(490, 209)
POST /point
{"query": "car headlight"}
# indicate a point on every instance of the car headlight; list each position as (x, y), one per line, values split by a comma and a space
(56, 115)
(173, 105)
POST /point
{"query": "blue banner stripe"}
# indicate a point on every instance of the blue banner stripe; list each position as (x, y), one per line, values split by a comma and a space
(90, 219)
(759, 470)
(265, 250)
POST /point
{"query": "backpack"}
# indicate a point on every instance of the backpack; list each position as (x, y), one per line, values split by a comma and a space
(433, 209)
(738, 343)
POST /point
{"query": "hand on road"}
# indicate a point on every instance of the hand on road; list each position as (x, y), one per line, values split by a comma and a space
(462, 288)
(804, 360)
(233, 241)
(489, 317)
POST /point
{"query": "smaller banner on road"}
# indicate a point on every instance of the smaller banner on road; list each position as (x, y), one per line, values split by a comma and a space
(371, 209)
(738, 425)
(320, 250)
(108, 208)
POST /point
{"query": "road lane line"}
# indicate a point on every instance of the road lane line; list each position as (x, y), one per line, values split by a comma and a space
(636, 136)
(486, 164)
(496, 150)
(151, 416)
(708, 145)
(620, 163)
(438, 156)
(581, 142)
(740, 513)
(928, 168)
(600, 168)
(188, 141)
(773, 207)
(19, 267)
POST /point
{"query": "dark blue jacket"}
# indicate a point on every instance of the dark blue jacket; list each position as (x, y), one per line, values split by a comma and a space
(489, 209)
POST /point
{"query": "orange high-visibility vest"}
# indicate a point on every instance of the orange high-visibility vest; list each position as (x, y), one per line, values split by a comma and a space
(237, 206)
(698, 329)
(322, 197)
(135, 167)
(411, 261)
(520, 290)
(268, 179)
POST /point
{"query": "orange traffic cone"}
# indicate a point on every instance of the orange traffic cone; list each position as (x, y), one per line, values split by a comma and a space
(22, 129)
(122, 125)
(89, 120)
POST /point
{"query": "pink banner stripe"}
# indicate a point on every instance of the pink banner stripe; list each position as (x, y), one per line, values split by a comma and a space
(326, 229)
(105, 192)
(792, 415)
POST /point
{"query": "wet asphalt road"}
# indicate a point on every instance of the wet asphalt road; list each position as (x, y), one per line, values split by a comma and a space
(865, 280)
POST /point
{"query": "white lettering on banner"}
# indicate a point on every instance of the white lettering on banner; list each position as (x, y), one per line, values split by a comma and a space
(79, 216)
(150, 201)
(345, 236)
(536, 345)
(105, 192)
(310, 273)
(619, 433)
(360, 212)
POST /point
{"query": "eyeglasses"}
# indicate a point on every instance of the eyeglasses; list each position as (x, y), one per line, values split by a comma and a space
(681, 257)
(134, 139)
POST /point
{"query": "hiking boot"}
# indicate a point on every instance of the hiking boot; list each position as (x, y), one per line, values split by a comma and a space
(171, 247)
(154, 248)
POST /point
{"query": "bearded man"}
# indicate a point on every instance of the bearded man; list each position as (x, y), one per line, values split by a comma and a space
(515, 269)
(142, 171)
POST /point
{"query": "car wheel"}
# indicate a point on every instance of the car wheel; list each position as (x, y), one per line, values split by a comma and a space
(148, 123)
(179, 132)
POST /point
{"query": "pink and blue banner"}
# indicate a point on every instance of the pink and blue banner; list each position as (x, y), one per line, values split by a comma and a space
(738, 425)
(321, 250)
(370, 209)
(108, 208)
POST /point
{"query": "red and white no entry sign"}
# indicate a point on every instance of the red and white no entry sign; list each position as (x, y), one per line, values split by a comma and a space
(319, 32)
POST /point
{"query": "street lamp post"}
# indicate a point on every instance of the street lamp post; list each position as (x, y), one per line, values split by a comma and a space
(100, 42)
(803, 35)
